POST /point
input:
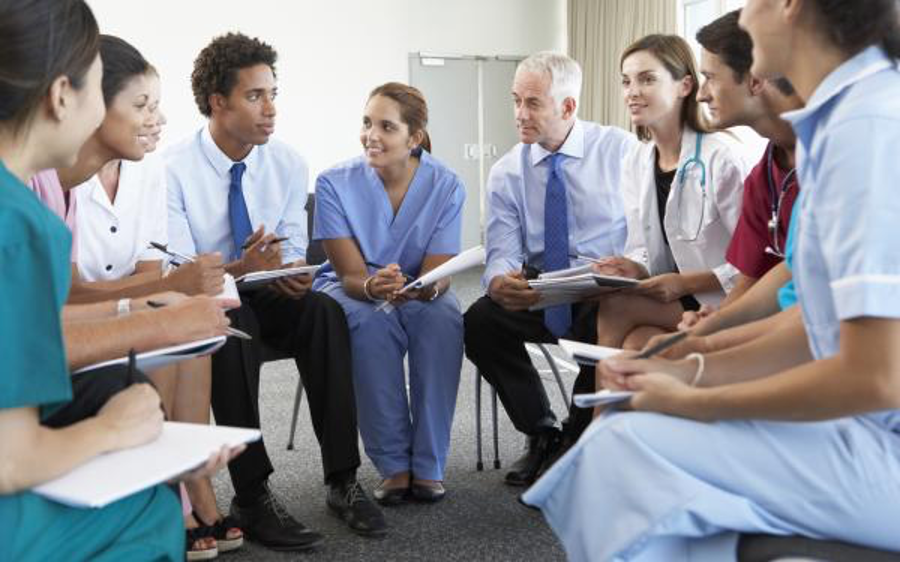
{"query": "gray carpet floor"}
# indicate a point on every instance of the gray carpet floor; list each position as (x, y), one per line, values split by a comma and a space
(479, 519)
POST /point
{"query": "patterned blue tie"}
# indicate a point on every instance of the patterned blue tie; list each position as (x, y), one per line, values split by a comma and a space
(558, 319)
(241, 229)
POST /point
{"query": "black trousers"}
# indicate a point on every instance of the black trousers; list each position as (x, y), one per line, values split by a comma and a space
(90, 391)
(495, 343)
(312, 330)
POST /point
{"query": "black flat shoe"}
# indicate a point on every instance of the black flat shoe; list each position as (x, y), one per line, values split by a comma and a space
(428, 494)
(390, 496)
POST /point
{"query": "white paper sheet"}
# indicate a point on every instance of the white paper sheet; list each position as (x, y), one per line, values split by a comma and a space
(259, 278)
(149, 360)
(113, 476)
(585, 353)
(229, 290)
(604, 396)
(466, 260)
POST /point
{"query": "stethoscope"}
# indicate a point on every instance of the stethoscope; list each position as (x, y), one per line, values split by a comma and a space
(693, 162)
(777, 198)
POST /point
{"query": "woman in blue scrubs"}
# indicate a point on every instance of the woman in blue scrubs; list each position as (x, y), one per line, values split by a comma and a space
(50, 102)
(660, 484)
(385, 217)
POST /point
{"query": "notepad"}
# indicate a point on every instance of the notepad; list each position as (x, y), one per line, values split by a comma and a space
(154, 359)
(257, 279)
(110, 477)
(602, 397)
(472, 257)
(556, 290)
(585, 353)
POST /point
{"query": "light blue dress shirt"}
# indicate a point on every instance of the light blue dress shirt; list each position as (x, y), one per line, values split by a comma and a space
(275, 187)
(516, 188)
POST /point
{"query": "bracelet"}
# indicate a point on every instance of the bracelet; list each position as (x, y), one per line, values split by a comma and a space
(366, 288)
(123, 307)
(701, 365)
(436, 294)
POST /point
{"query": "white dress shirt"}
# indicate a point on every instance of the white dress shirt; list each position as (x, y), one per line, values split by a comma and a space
(114, 235)
(517, 186)
(275, 186)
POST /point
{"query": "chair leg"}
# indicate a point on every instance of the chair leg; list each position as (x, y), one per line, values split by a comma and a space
(297, 398)
(479, 465)
(555, 369)
(496, 428)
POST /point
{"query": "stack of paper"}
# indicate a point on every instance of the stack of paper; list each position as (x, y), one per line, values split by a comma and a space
(181, 447)
(556, 289)
(257, 279)
(149, 360)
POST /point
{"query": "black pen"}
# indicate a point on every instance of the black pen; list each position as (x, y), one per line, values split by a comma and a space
(131, 373)
(229, 330)
(662, 346)
(279, 240)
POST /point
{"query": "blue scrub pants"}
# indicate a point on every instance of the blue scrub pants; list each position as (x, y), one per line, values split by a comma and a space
(643, 486)
(405, 433)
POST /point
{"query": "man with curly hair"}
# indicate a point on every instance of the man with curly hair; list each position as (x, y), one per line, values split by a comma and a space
(234, 190)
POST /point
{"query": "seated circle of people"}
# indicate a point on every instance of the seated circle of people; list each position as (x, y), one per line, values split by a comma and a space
(234, 190)
(554, 195)
(390, 215)
(805, 434)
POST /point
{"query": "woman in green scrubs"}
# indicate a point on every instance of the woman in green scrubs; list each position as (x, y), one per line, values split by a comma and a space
(50, 102)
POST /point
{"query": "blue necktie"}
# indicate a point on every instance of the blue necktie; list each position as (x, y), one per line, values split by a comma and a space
(241, 229)
(558, 319)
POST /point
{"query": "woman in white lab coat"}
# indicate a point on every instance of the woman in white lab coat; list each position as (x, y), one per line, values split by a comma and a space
(682, 189)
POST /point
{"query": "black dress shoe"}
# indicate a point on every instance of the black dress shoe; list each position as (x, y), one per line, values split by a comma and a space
(267, 522)
(427, 494)
(524, 471)
(389, 497)
(350, 502)
(554, 453)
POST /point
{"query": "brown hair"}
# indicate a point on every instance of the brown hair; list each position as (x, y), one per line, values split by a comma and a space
(413, 108)
(42, 40)
(675, 55)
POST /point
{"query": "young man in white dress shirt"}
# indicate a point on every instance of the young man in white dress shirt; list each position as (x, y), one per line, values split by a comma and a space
(234, 190)
(552, 197)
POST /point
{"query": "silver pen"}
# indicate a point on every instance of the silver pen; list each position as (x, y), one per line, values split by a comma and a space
(164, 248)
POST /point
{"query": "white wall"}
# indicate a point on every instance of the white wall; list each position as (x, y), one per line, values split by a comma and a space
(331, 52)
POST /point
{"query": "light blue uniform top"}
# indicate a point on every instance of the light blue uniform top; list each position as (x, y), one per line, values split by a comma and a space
(517, 184)
(351, 202)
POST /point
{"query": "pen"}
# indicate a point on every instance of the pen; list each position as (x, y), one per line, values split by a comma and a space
(585, 258)
(662, 346)
(164, 248)
(229, 330)
(406, 277)
(130, 377)
(279, 240)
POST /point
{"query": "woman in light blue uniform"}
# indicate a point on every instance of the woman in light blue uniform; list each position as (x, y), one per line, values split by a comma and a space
(386, 217)
(657, 485)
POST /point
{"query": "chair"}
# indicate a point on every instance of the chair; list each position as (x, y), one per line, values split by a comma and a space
(766, 548)
(478, 442)
(315, 255)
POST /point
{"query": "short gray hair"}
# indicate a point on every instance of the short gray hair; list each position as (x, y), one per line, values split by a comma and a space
(564, 72)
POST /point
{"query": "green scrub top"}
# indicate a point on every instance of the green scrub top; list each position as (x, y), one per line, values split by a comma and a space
(34, 282)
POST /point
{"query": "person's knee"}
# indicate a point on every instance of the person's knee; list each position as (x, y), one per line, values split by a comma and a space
(479, 320)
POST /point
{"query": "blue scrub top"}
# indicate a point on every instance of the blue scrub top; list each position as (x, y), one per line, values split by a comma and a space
(351, 202)
(847, 261)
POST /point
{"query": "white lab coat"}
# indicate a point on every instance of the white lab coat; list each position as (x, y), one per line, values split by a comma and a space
(724, 192)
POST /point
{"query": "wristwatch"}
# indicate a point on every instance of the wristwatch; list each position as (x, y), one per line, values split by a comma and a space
(123, 307)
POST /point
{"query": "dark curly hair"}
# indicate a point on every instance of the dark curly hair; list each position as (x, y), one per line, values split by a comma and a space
(217, 65)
